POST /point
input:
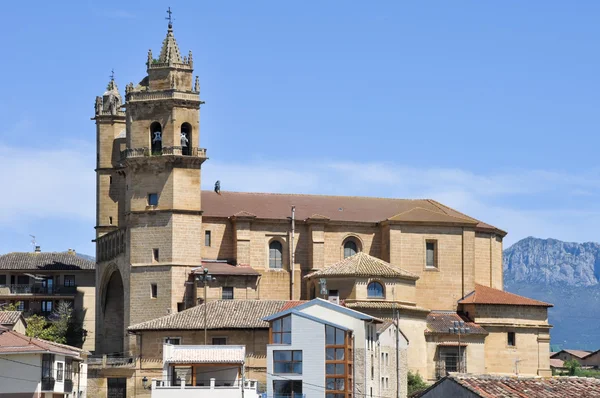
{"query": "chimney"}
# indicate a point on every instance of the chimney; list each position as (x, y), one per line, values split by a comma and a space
(38, 249)
(72, 251)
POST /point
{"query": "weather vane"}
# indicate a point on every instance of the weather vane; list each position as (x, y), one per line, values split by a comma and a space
(169, 17)
(112, 75)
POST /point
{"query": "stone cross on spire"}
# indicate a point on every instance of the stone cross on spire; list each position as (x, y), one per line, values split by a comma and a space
(169, 52)
(169, 17)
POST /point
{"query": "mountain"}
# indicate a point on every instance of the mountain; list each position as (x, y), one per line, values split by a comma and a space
(85, 256)
(565, 274)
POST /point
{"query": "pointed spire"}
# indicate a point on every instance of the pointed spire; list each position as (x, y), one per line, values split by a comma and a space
(169, 52)
(197, 85)
(190, 60)
(150, 59)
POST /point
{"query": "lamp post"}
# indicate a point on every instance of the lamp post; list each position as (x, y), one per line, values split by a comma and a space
(205, 277)
(458, 329)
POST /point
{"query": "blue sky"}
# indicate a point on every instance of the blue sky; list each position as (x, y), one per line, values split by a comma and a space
(489, 107)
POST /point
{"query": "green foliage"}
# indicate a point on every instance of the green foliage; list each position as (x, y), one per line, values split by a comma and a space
(415, 383)
(9, 307)
(64, 329)
(572, 366)
(39, 327)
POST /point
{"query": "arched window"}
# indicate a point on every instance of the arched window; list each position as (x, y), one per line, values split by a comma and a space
(186, 139)
(350, 248)
(275, 254)
(156, 138)
(375, 290)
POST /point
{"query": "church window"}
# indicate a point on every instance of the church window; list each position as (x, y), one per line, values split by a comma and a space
(186, 139)
(109, 220)
(275, 254)
(375, 290)
(156, 138)
(155, 254)
(431, 254)
(153, 290)
(207, 238)
(152, 199)
(511, 339)
(350, 248)
(110, 179)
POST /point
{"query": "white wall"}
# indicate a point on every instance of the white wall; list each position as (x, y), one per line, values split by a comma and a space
(30, 373)
(308, 336)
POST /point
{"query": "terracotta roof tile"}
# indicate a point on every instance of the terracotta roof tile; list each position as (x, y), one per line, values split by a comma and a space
(381, 304)
(557, 363)
(9, 317)
(222, 314)
(439, 322)
(575, 353)
(292, 304)
(53, 261)
(15, 342)
(419, 214)
(362, 264)
(335, 208)
(488, 386)
(487, 295)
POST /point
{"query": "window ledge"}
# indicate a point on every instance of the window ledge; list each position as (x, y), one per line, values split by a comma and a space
(431, 269)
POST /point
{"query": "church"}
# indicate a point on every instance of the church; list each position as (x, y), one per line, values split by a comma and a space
(165, 248)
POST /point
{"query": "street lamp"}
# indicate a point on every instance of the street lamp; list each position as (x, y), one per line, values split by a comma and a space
(205, 278)
(458, 329)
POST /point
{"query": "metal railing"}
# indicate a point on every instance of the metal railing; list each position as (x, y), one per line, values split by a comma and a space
(108, 361)
(48, 383)
(207, 384)
(37, 289)
(68, 386)
(164, 151)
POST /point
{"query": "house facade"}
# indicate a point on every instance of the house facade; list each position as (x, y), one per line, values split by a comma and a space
(13, 320)
(31, 367)
(36, 282)
(321, 349)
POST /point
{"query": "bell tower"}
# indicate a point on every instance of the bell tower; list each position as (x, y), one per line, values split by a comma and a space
(158, 238)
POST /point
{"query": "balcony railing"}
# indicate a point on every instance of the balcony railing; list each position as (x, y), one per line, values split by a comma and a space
(37, 289)
(107, 361)
(48, 383)
(165, 151)
(68, 386)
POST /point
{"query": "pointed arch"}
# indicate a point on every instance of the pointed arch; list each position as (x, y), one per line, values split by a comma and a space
(156, 137)
(186, 139)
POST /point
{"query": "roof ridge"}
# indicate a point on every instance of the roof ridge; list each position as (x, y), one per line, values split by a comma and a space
(318, 195)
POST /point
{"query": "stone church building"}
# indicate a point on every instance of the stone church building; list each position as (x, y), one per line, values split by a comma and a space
(156, 232)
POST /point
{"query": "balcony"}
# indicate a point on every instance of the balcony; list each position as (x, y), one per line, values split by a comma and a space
(16, 289)
(106, 361)
(145, 152)
(48, 383)
(68, 386)
(233, 389)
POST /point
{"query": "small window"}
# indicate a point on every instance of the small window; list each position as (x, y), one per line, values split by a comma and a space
(2, 279)
(153, 290)
(22, 305)
(59, 371)
(431, 254)
(511, 339)
(69, 281)
(173, 340)
(334, 293)
(275, 254)
(155, 257)
(219, 341)
(350, 248)
(287, 362)
(47, 365)
(227, 293)
(110, 179)
(375, 290)
(68, 369)
(47, 306)
(180, 307)
(334, 336)
(207, 238)
(152, 199)
(109, 220)
(281, 330)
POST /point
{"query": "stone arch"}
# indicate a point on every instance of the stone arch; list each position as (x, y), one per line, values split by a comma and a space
(349, 239)
(186, 139)
(112, 311)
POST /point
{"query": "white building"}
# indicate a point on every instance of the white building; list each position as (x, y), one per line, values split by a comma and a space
(323, 350)
(204, 371)
(40, 368)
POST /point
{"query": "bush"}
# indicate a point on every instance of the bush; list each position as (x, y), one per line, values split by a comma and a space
(415, 383)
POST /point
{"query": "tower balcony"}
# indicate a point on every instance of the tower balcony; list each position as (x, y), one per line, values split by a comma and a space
(165, 151)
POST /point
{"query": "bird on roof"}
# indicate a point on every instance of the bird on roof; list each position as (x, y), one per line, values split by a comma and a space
(218, 187)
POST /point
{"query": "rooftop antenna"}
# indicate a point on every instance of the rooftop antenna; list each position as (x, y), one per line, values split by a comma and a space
(33, 242)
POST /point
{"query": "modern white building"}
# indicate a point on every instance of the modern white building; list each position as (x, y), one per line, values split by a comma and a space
(323, 350)
(203, 371)
(31, 367)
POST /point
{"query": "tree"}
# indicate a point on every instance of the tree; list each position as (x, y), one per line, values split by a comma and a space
(9, 307)
(63, 327)
(572, 366)
(415, 383)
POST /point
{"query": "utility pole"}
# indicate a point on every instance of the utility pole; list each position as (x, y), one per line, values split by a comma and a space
(205, 278)
(292, 256)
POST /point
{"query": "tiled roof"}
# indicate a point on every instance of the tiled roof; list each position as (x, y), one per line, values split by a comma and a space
(487, 295)
(222, 314)
(362, 264)
(439, 322)
(13, 342)
(487, 386)
(292, 304)
(419, 214)
(49, 261)
(205, 354)
(220, 268)
(557, 363)
(575, 353)
(380, 304)
(335, 208)
(9, 317)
